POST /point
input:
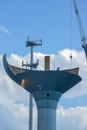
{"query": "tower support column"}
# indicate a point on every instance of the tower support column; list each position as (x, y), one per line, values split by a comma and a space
(46, 109)
(46, 119)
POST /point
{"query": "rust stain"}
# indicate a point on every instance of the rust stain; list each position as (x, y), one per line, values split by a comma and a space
(23, 83)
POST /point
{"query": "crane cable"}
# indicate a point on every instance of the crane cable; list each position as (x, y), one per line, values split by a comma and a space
(71, 34)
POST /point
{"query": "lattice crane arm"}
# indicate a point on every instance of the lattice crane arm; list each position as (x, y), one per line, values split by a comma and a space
(81, 29)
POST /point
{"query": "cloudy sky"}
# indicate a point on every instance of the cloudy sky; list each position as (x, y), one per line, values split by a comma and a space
(55, 22)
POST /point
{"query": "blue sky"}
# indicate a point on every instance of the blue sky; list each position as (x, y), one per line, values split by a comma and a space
(55, 23)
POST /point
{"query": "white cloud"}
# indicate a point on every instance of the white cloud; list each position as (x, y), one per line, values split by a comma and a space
(4, 29)
(72, 118)
(13, 117)
(14, 100)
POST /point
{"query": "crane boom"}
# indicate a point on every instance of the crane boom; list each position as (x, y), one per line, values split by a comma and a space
(82, 33)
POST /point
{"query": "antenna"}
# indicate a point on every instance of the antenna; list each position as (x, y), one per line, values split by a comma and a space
(31, 44)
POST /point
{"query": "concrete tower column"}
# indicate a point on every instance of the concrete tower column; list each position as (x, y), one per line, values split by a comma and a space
(46, 118)
(46, 104)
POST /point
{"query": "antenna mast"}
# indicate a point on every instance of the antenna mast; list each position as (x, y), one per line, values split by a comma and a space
(31, 44)
(32, 65)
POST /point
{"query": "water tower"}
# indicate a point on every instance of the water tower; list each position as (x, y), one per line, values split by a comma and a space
(46, 86)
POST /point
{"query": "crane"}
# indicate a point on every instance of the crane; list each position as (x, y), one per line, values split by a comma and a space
(81, 29)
